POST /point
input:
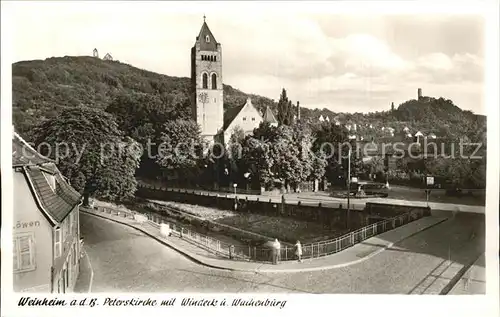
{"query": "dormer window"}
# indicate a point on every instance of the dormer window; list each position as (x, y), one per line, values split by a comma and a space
(207, 39)
(51, 179)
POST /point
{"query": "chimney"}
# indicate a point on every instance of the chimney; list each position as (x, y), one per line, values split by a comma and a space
(419, 93)
(298, 110)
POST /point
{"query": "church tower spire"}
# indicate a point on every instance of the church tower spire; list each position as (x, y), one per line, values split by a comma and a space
(206, 83)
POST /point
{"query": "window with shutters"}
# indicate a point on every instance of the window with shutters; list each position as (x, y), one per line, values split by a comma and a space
(24, 252)
(58, 243)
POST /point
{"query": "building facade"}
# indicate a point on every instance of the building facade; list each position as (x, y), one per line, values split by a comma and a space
(245, 117)
(207, 96)
(46, 231)
(206, 83)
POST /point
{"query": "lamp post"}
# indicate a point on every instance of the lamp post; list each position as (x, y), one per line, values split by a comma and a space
(235, 197)
(247, 177)
(348, 188)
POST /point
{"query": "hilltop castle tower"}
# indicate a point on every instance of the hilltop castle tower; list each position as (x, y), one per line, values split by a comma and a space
(206, 83)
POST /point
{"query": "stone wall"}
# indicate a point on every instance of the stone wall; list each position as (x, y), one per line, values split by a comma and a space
(333, 217)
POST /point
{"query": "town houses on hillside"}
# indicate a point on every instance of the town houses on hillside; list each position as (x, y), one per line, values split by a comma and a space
(359, 131)
(46, 231)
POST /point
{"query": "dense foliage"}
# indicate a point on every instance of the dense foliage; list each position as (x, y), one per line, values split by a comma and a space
(91, 152)
(45, 88)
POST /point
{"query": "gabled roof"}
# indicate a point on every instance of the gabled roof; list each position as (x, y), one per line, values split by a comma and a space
(204, 45)
(55, 203)
(24, 154)
(59, 202)
(231, 113)
(269, 116)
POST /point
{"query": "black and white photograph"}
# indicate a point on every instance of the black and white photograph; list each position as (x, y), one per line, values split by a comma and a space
(209, 149)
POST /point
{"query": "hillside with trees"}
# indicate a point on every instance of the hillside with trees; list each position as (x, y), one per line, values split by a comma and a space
(43, 88)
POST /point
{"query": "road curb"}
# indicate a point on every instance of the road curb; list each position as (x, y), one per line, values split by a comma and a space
(203, 262)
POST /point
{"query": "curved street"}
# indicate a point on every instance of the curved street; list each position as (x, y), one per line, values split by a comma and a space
(125, 260)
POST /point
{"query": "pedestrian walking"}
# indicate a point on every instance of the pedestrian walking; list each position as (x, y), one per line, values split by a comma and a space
(231, 251)
(277, 251)
(298, 250)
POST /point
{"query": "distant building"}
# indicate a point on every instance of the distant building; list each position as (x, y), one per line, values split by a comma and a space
(269, 117)
(95, 53)
(422, 97)
(46, 232)
(418, 136)
(246, 118)
(108, 57)
(327, 119)
(321, 119)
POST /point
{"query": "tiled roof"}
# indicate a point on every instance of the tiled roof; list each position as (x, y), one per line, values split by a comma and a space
(57, 203)
(24, 154)
(230, 114)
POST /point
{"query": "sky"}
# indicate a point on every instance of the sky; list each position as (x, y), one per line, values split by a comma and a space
(346, 62)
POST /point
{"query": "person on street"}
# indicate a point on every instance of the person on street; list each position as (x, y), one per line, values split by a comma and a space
(277, 251)
(298, 250)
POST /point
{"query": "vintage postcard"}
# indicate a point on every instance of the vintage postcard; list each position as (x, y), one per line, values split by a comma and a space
(270, 158)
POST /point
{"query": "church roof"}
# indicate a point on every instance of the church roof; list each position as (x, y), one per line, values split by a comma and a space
(269, 116)
(211, 44)
(230, 114)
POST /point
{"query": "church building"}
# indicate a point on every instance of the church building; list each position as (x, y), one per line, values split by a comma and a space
(207, 93)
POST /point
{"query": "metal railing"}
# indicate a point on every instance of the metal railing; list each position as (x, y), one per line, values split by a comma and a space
(264, 254)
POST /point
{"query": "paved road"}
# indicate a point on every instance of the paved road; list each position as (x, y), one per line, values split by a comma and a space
(125, 260)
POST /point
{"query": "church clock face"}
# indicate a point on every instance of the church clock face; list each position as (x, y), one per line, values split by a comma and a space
(203, 97)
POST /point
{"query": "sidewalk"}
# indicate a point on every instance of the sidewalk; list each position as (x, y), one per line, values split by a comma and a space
(473, 281)
(350, 256)
(85, 277)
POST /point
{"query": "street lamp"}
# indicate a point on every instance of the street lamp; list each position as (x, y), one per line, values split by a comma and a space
(348, 188)
(235, 197)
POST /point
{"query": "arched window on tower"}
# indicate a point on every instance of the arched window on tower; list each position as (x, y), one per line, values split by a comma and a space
(214, 81)
(205, 81)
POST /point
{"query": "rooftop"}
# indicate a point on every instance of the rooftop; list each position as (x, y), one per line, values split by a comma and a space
(56, 202)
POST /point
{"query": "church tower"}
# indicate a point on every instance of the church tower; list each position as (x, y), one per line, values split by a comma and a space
(206, 83)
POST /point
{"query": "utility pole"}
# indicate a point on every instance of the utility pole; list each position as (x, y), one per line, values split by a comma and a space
(349, 189)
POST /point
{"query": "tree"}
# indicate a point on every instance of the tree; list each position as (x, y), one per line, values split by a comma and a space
(285, 110)
(256, 155)
(182, 149)
(141, 116)
(331, 142)
(375, 166)
(91, 152)
(234, 164)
